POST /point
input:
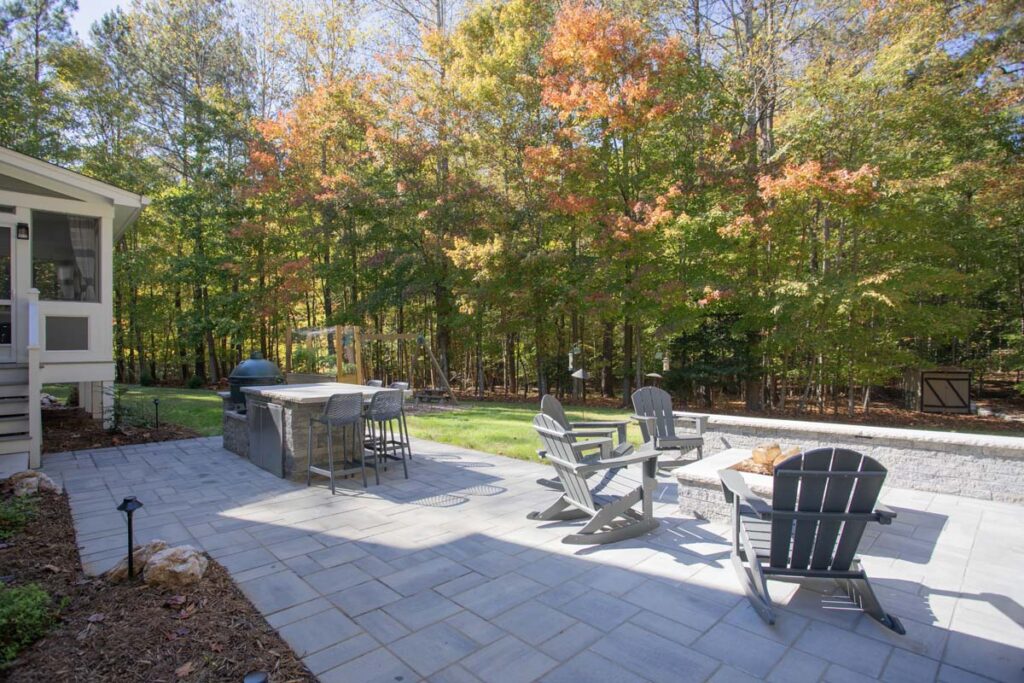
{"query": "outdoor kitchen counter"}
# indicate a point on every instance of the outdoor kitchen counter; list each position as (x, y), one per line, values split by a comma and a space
(277, 417)
(308, 393)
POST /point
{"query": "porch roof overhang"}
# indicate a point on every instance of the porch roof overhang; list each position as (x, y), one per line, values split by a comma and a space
(127, 205)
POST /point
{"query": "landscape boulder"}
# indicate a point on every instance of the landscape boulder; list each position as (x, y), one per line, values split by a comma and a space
(176, 567)
(30, 481)
(140, 557)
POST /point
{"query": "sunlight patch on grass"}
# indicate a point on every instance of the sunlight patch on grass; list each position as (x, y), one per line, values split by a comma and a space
(498, 428)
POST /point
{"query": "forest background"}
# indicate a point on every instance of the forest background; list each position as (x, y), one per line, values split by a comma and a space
(780, 200)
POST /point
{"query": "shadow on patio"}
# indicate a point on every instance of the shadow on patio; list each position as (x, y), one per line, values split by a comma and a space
(441, 576)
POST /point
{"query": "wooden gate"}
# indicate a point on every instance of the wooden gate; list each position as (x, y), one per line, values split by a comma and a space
(945, 391)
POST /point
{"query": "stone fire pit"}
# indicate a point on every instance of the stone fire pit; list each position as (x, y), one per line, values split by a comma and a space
(700, 492)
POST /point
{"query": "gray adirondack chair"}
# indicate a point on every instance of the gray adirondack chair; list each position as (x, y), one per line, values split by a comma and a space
(551, 406)
(822, 499)
(653, 410)
(598, 487)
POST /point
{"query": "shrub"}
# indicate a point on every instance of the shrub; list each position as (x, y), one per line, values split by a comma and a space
(26, 614)
(124, 413)
(146, 379)
(196, 382)
(15, 513)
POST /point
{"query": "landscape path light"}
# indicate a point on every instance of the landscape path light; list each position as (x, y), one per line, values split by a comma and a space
(128, 506)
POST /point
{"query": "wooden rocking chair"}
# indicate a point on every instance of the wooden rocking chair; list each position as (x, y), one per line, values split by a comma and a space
(822, 499)
(598, 487)
(552, 407)
(653, 410)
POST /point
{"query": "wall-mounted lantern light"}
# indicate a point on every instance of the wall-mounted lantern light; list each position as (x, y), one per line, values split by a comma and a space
(22, 231)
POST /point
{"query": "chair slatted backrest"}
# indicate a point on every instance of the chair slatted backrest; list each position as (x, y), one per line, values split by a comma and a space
(657, 403)
(827, 481)
(558, 443)
(552, 407)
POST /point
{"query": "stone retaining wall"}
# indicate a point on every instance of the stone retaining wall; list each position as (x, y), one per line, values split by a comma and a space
(972, 465)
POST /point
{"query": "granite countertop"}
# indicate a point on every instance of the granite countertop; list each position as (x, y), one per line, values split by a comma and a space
(309, 393)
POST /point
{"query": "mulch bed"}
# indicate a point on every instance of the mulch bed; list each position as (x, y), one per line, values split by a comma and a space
(882, 415)
(130, 631)
(70, 429)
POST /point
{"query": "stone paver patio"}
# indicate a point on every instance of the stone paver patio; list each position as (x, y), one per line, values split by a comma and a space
(442, 578)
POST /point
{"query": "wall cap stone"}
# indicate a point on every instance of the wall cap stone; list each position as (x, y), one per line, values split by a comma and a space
(1008, 446)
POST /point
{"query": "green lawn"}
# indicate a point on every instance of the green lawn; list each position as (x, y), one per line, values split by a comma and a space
(501, 428)
(197, 409)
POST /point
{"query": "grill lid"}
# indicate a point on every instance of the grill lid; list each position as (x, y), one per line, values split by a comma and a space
(255, 367)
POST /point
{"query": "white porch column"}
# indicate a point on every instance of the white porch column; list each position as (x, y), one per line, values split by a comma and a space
(101, 397)
(85, 396)
(105, 401)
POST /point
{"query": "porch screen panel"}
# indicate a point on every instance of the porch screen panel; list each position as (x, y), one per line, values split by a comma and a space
(65, 256)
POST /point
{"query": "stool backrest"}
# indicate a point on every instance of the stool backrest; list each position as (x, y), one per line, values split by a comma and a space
(343, 409)
(385, 405)
(399, 385)
(374, 383)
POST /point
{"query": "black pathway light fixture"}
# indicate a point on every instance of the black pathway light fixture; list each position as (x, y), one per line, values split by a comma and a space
(128, 506)
(156, 409)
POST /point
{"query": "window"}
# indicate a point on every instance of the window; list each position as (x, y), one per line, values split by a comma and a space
(65, 256)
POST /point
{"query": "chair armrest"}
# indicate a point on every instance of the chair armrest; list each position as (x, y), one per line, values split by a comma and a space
(884, 514)
(644, 418)
(590, 432)
(695, 420)
(610, 424)
(733, 485)
(604, 444)
(609, 463)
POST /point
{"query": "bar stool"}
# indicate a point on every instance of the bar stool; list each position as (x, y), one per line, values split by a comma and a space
(403, 386)
(383, 413)
(341, 411)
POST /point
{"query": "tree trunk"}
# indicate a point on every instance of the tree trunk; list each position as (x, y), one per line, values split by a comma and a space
(627, 357)
(608, 360)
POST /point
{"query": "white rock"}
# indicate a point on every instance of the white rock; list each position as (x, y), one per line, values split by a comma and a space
(175, 567)
(140, 557)
(30, 481)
